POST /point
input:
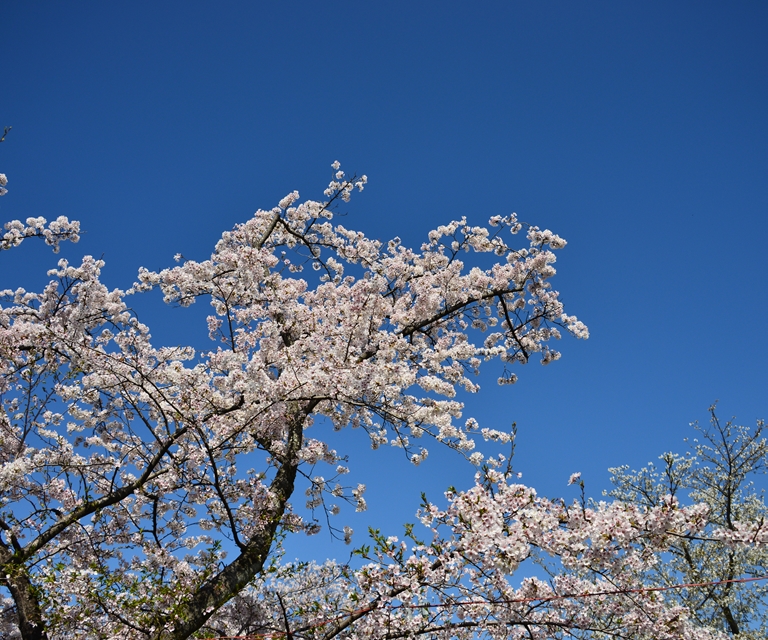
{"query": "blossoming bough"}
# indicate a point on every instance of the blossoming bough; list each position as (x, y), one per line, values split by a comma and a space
(126, 465)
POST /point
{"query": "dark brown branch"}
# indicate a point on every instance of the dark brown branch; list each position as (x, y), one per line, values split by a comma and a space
(451, 309)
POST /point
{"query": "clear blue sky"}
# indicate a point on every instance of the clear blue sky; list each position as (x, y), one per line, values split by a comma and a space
(636, 130)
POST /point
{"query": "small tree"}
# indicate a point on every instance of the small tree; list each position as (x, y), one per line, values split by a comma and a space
(719, 474)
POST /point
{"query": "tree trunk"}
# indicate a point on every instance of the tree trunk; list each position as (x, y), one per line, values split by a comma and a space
(30, 617)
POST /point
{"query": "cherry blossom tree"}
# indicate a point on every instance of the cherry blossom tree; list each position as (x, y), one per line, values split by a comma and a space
(719, 473)
(144, 489)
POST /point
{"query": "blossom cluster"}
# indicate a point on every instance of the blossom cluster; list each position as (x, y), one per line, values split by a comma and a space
(54, 233)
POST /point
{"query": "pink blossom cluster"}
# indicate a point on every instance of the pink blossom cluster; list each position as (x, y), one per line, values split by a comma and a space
(54, 233)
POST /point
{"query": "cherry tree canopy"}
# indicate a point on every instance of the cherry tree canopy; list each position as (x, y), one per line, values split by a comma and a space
(144, 488)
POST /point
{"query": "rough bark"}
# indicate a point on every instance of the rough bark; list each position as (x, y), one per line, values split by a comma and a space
(30, 617)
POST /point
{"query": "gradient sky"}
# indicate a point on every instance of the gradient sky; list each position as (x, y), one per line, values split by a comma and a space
(636, 130)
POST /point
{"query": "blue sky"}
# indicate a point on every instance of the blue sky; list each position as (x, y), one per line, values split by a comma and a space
(636, 130)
